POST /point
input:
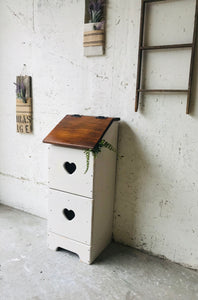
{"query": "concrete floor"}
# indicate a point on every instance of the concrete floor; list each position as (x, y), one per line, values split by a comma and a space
(28, 270)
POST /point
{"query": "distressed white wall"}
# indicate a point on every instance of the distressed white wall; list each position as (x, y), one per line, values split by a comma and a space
(157, 177)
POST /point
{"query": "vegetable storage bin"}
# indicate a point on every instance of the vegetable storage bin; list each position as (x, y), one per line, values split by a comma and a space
(80, 211)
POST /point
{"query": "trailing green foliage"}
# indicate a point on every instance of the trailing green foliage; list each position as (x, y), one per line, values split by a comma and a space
(97, 149)
(87, 153)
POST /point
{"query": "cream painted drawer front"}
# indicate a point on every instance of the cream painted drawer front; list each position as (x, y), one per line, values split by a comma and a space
(70, 216)
(66, 171)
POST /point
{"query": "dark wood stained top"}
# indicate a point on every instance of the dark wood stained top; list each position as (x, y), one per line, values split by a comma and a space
(82, 132)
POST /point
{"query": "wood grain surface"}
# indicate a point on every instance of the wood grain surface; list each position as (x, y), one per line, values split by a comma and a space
(82, 132)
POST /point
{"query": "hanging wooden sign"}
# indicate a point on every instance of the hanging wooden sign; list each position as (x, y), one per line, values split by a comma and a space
(94, 28)
(24, 104)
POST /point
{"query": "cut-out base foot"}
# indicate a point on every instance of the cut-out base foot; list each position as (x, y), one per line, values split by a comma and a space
(83, 251)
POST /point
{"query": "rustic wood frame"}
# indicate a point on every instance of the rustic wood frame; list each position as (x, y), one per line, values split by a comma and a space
(93, 37)
(161, 47)
(24, 106)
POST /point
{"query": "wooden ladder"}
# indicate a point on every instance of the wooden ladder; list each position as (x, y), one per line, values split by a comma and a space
(173, 46)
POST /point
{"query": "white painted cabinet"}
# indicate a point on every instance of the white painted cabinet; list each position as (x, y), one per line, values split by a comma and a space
(81, 205)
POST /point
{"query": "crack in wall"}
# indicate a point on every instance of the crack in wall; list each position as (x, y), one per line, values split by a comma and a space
(33, 15)
(22, 178)
(13, 13)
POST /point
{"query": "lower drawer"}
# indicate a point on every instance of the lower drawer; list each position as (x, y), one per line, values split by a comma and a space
(70, 215)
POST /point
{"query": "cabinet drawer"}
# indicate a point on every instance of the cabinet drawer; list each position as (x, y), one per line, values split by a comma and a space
(67, 171)
(70, 216)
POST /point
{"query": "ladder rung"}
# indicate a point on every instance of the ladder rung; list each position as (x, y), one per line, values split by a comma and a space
(161, 91)
(153, 0)
(174, 46)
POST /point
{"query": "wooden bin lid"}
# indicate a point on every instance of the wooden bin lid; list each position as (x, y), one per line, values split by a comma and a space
(76, 131)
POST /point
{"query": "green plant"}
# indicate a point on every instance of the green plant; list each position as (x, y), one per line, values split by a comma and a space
(96, 12)
(97, 149)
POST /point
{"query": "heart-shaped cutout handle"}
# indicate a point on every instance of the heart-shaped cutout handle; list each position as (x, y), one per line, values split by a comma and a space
(69, 214)
(69, 167)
